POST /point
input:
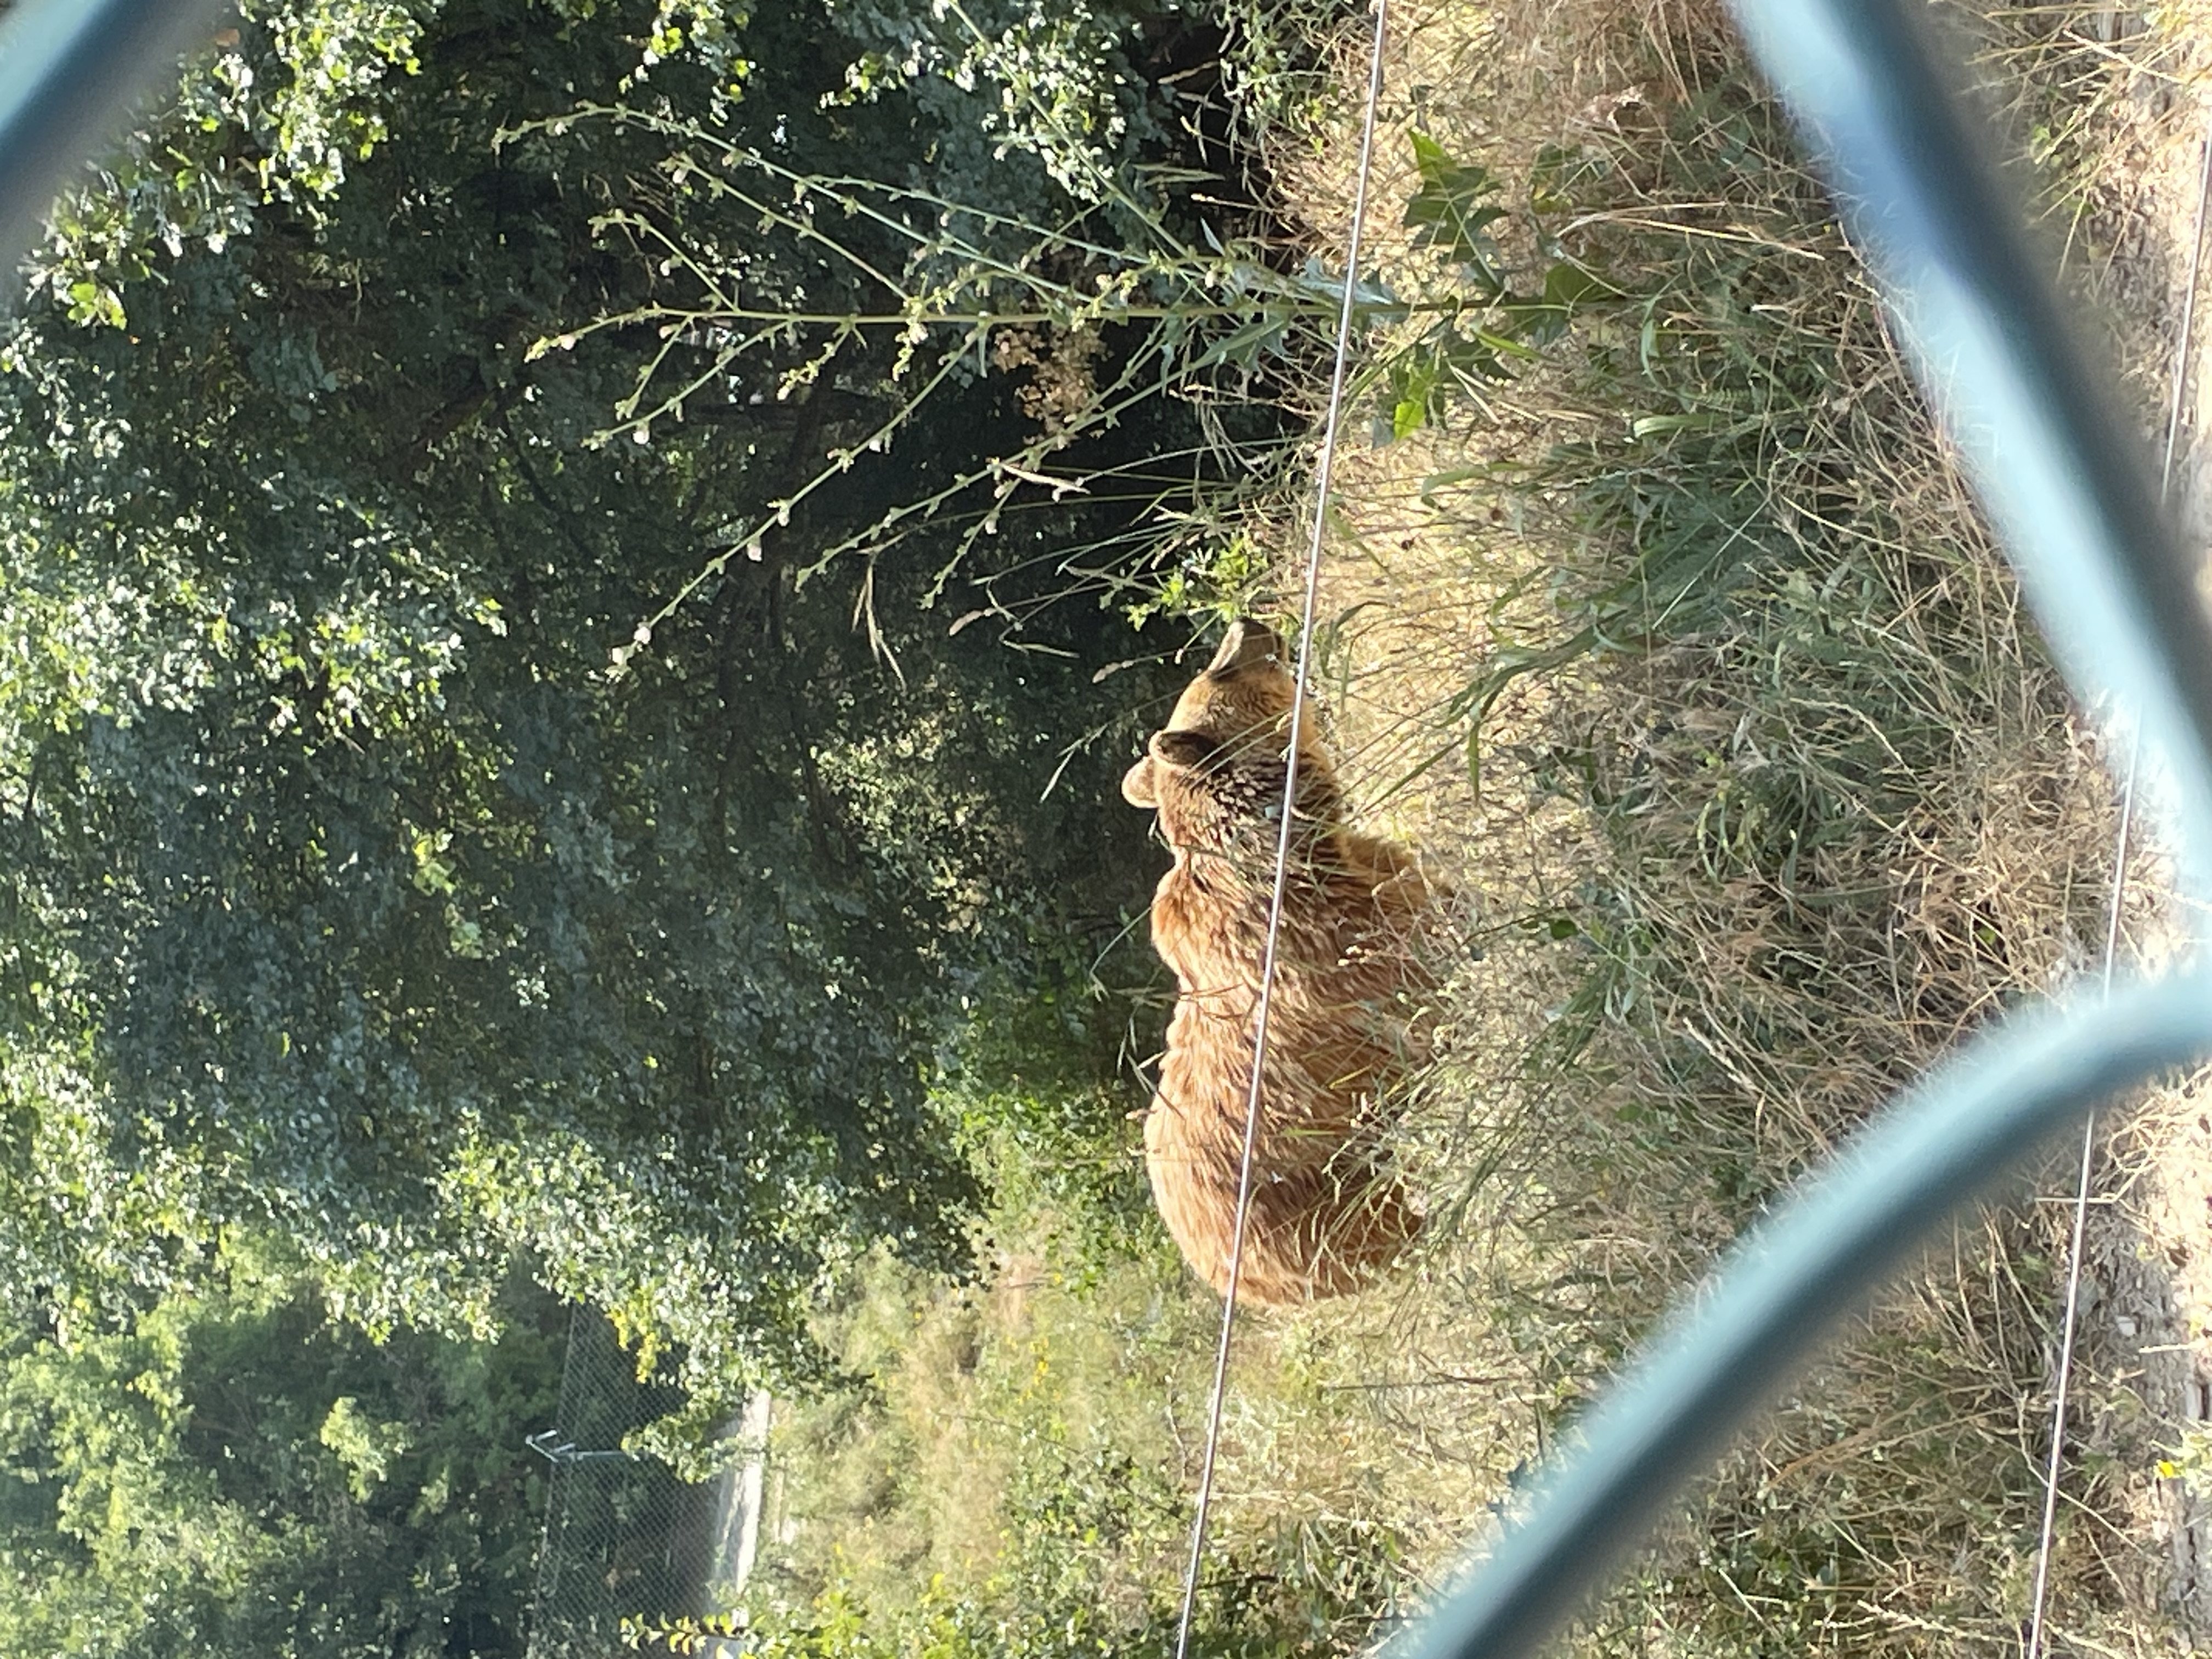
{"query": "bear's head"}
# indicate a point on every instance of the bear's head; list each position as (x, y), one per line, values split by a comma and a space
(1214, 773)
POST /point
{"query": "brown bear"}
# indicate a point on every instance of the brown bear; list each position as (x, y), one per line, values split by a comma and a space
(1325, 1216)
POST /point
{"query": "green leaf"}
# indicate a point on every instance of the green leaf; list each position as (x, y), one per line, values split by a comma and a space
(1449, 211)
(1654, 426)
(1556, 173)
(1569, 284)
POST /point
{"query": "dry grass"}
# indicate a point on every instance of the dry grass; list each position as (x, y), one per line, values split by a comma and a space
(1772, 843)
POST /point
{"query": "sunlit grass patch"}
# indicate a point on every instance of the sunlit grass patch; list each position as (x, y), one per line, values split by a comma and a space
(1688, 650)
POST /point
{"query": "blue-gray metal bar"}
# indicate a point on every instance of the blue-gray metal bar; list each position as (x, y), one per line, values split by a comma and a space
(2070, 493)
(69, 69)
(1824, 1255)
(2067, 482)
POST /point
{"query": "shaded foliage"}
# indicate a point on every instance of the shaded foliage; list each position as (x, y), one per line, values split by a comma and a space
(357, 894)
(236, 1474)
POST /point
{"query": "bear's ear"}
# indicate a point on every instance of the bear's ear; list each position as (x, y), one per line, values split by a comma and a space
(1246, 645)
(1137, 785)
(1183, 750)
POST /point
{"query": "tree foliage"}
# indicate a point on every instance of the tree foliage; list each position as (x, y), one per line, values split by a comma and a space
(372, 884)
(234, 1474)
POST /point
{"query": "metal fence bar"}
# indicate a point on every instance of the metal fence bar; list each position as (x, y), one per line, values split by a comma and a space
(2067, 482)
(1824, 1255)
(69, 68)
(2071, 497)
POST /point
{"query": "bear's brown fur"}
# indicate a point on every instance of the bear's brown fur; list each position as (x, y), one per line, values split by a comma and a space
(1324, 1217)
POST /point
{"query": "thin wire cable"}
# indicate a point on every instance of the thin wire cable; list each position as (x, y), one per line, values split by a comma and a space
(2119, 884)
(2188, 324)
(1322, 489)
(2035, 1631)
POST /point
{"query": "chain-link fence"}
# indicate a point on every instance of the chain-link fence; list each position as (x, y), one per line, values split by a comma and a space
(624, 1537)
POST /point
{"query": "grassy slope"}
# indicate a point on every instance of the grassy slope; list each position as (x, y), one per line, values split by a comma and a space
(1791, 799)
(1822, 807)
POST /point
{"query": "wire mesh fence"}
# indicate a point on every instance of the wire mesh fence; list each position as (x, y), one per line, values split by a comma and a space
(624, 1537)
